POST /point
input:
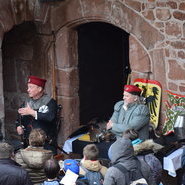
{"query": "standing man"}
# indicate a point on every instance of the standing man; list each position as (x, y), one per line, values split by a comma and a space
(130, 113)
(38, 111)
(11, 172)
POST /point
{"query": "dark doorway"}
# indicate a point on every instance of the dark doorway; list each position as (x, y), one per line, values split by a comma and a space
(103, 52)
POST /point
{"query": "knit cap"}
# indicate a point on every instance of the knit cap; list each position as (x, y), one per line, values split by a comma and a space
(71, 164)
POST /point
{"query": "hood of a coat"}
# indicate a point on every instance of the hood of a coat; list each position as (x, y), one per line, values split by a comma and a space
(148, 145)
(122, 151)
(92, 165)
(35, 157)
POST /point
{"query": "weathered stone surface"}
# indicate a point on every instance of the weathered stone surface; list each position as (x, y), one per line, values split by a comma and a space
(135, 74)
(159, 24)
(173, 29)
(159, 74)
(172, 86)
(182, 6)
(179, 15)
(176, 72)
(163, 14)
(172, 4)
(178, 44)
(136, 25)
(181, 54)
(66, 48)
(68, 80)
(70, 113)
(149, 15)
(139, 59)
(183, 30)
(134, 4)
(182, 89)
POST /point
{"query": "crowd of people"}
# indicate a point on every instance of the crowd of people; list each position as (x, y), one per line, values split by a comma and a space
(36, 164)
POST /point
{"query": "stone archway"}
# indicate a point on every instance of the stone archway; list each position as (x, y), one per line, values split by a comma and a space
(142, 51)
(62, 18)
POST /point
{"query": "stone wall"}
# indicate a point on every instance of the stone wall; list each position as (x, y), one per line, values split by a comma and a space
(157, 42)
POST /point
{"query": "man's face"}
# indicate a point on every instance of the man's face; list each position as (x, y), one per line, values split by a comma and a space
(128, 98)
(34, 91)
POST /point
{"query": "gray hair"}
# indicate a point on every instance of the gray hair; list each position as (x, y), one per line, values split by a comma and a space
(6, 150)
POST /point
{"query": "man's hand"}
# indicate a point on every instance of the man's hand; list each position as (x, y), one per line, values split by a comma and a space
(109, 125)
(20, 130)
(26, 111)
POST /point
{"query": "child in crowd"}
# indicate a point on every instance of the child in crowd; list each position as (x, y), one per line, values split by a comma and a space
(73, 166)
(51, 169)
(90, 160)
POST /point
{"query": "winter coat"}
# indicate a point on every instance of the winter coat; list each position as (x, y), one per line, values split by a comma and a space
(136, 117)
(33, 159)
(92, 166)
(145, 151)
(11, 173)
(122, 152)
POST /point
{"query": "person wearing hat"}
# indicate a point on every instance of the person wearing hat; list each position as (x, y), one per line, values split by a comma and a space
(38, 111)
(130, 113)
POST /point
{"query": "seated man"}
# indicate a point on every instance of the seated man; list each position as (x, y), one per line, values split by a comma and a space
(130, 113)
(11, 172)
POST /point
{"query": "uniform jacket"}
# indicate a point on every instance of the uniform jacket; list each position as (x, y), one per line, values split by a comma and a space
(32, 159)
(122, 152)
(11, 173)
(136, 117)
(46, 108)
(92, 166)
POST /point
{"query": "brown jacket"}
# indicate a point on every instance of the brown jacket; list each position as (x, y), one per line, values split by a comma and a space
(32, 159)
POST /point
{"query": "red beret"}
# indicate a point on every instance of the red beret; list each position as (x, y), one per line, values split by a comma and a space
(37, 81)
(132, 89)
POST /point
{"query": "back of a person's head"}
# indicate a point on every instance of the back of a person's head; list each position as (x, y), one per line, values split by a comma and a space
(37, 137)
(91, 152)
(130, 134)
(51, 168)
(6, 150)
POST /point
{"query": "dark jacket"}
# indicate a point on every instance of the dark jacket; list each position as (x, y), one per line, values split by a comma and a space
(46, 108)
(122, 152)
(12, 174)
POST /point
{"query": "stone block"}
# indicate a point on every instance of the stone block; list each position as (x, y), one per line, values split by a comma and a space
(181, 54)
(182, 89)
(172, 4)
(179, 15)
(182, 6)
(68, 82)
(178, 44)
(66, 48)
(148, 14)
(70, 114)
(175, 71)
(139, 59)
(134, 4)
(158, 69)
(172, 86)
(173, 29)
(163, 14)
